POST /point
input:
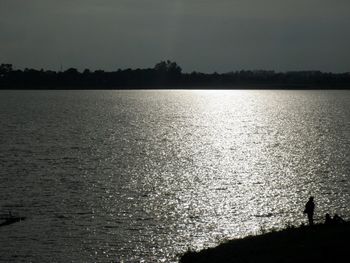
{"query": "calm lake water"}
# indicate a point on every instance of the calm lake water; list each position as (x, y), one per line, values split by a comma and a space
(141, 176)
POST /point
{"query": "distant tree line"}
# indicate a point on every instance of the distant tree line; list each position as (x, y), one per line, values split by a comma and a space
(165, 74)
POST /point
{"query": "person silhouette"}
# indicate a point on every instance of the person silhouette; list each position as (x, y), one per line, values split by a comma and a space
(328, 220)
(309, 210)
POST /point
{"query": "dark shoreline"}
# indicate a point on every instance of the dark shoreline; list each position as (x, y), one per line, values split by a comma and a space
(168, 75)
(319, 243)
(196, 87)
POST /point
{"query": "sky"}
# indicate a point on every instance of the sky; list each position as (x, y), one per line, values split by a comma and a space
(200, 35)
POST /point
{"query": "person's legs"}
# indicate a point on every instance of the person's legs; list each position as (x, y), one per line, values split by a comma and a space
(310, 216)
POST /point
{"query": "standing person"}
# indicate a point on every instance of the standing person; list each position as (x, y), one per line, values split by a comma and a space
(309, 210)
(329, 220)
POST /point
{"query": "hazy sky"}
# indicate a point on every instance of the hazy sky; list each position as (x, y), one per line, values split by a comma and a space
(201, 35)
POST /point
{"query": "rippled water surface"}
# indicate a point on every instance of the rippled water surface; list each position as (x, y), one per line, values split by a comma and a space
(109, 176)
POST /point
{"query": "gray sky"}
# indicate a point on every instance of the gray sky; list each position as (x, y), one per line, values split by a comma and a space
(201, 35)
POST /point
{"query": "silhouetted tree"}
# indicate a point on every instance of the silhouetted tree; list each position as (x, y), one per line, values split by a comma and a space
(167, 72)
(168, 67)
(5, 69)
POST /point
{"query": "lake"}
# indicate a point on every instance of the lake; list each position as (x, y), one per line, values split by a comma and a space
(142, 176)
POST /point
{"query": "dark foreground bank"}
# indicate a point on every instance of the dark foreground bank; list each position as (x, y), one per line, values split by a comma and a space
(320, 243)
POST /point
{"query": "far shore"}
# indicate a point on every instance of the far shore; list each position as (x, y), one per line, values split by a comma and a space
(242, 86)
(168, 75)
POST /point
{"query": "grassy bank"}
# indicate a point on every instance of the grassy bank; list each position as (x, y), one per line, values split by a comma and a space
(320, 243)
